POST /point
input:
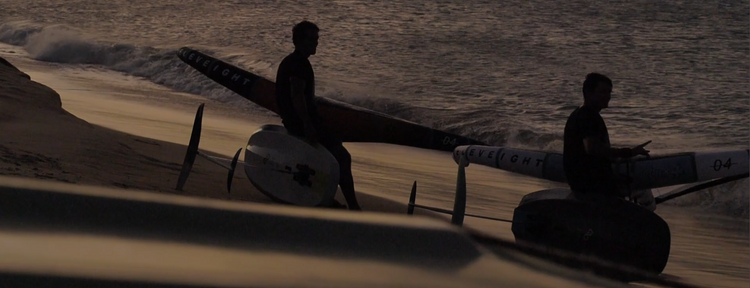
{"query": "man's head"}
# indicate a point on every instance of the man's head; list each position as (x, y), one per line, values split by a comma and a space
(305, 37)
(597, 90)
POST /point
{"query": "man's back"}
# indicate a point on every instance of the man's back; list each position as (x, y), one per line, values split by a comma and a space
(586, 173)
(294, 65)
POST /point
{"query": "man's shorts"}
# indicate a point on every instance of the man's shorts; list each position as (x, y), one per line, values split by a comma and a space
(325, 137)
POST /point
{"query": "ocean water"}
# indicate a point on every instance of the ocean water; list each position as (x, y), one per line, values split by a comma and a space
(507, 73)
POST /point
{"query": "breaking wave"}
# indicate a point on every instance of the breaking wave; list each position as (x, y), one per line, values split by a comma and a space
(160, 65)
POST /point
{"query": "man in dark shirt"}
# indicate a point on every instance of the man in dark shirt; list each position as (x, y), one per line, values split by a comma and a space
(587, 154)
(295, 94)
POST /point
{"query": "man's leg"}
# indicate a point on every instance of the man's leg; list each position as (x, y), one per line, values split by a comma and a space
(645, 198)
(294, 130)
(346, 180)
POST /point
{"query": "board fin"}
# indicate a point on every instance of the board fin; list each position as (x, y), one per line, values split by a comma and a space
(192, 149)
(231, 170)
(459, 203)
(412, 199)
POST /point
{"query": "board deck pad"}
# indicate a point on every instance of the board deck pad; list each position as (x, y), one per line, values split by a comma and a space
(611, 229)
(289, 170)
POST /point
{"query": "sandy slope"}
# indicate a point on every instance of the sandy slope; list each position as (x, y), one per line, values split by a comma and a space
(42, 140)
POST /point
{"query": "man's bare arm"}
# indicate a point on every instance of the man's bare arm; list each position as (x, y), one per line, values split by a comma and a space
(595, 147)
(298, 100)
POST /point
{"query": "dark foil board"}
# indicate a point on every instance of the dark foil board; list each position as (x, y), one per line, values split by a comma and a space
(617, 231)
